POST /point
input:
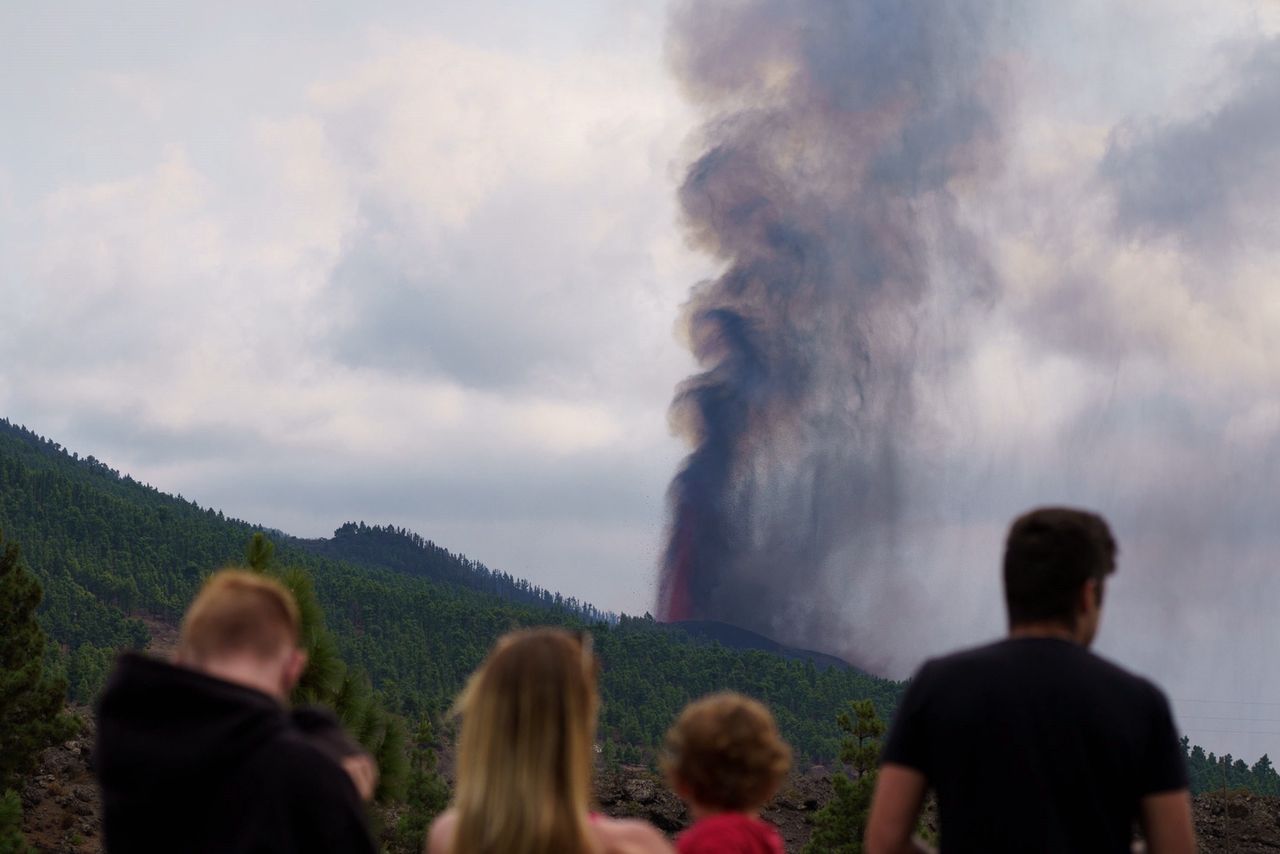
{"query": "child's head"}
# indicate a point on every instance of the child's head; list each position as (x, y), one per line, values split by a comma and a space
(724, 753)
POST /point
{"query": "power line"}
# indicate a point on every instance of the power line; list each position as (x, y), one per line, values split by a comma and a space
(1228, 702)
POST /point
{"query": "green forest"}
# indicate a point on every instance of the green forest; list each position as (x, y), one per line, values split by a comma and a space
(112, 553)
(1210, 773)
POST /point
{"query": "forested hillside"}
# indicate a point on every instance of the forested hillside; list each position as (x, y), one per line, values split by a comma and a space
(111, 551)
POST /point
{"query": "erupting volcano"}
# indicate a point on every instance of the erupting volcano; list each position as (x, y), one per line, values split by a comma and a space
(834, 132)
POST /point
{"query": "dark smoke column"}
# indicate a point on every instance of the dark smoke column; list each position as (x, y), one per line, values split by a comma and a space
(835, 133)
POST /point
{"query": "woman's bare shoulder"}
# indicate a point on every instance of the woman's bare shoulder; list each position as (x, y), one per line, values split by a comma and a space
(440, 836)
(631, 836)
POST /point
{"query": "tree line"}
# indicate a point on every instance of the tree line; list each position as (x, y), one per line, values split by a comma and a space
(398, 548)
(1210, 773)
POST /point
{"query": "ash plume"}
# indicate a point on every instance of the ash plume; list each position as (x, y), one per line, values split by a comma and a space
(835, 132)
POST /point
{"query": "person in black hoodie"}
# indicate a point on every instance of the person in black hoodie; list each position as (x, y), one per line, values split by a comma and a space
(203, 755)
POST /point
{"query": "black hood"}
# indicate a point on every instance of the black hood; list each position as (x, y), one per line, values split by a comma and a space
(195, 764)
(161, 726)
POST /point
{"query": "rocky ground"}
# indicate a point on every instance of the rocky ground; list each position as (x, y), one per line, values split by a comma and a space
(638, 793)
(1237, 822)
(62, 814)
(61, 811)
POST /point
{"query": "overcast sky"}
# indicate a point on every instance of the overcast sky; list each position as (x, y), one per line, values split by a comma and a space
(420, 263)
(417, 264)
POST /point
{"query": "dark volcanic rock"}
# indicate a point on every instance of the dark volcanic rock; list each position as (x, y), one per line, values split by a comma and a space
(62, 814)
(1237, 822)
(632, 792)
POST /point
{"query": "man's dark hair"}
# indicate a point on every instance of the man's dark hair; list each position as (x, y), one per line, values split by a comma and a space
(1049, 555)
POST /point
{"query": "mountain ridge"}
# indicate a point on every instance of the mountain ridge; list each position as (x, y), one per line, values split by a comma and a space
(403, 550)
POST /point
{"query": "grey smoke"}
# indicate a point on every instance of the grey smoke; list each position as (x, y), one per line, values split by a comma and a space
(834, 133)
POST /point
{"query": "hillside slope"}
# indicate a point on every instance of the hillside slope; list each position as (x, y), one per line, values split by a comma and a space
(113, 552)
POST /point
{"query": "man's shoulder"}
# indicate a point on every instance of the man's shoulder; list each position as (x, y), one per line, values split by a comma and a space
(294, 760)
(1067, 662)
(1125, 682)
(962, 662)
(324, 806)
(1035, 649)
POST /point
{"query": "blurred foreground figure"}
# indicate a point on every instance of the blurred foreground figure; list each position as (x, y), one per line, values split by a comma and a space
(525, 757)
(1034, 743)
(203, 756)
(725, 759)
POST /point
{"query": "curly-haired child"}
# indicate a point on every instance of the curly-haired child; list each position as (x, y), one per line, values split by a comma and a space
(725, 759)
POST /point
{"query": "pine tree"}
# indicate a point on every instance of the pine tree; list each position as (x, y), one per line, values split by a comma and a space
(11, 839)
(363, 714)
(327, 680)
(392, 756)
(1265, 779)
(838, 826)
(322, 681)
(31, 701)
(427, 795)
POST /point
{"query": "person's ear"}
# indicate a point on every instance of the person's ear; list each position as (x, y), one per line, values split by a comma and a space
(1090, 596)
(295, 666)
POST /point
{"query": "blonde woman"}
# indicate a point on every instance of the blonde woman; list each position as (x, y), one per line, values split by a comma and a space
(525, 757)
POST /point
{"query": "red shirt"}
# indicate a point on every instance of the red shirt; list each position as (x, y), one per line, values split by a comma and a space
(730, 833)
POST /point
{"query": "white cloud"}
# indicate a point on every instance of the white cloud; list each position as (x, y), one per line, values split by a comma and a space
(439, 128)
(513, 215)
(178, 319)
(149, 95)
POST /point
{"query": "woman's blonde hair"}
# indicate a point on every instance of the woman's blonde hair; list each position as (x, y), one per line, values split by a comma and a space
(526, 750)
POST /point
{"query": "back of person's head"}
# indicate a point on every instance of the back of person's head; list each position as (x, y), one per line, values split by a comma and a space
(239, 613)
(724, 752)
(526, 750)
(1049, 555)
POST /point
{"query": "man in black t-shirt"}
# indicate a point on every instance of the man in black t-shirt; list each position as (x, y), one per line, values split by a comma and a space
(1033, 743)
